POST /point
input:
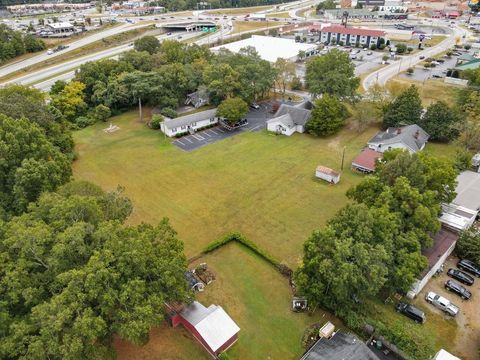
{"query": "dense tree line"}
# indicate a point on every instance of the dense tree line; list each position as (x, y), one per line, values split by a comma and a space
(73, 275)
(374, 244)
(161, 75)
(15, 43)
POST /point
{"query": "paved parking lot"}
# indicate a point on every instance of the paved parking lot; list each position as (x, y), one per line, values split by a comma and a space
(439, 71)
(257, 119)
(467, 340)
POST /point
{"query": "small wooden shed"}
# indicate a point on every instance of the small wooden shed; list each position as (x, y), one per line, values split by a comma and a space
(327, 174)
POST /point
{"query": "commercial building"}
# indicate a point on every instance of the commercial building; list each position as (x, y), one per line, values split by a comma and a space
(59, 29)
(271, 48)
(351, 36)
(189, 123)
(360, 14)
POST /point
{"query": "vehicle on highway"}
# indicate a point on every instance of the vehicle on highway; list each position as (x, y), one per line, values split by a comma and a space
(49, 51)
(469, 266)
(436, 76)
(442, 303)
(458, 289)
(179, 36)
(169, 33)
(464, 278)
(411, 311)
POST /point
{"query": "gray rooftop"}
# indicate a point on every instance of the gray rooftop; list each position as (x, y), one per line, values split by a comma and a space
(468, 190)
(298, 115)
(341, 346)
(413, 136)
(188, 119)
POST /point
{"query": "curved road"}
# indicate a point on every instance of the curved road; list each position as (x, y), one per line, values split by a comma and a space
(382, 75)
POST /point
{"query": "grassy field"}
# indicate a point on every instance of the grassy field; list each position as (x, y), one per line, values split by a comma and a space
(239, 11)
(256, 183)
(430, 90)
(282, 15)
(256, 296)
(240, 26)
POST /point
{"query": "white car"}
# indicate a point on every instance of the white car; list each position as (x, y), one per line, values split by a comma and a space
(49, 52)
(442, 303)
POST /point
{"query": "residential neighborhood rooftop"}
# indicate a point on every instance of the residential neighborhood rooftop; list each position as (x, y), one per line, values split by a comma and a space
(366, 160)
(341, 346)
(468, 190)
(188, 119)
(412, 136)
(297, 115)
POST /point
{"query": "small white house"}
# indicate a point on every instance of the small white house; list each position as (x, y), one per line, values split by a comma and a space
(411, 137)
(289, 119)
(327, 174)
(189, 123)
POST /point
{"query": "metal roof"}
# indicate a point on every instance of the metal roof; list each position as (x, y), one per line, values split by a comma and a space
(212, 323)
(468, 190)
(367, 159)
(188, 119)
(353, 31)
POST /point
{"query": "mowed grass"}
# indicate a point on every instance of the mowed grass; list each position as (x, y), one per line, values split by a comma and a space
(239, 11)
(241, 26)
(257, 298)
(257, 183)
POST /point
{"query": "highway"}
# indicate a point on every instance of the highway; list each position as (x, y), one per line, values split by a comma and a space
(384, 74)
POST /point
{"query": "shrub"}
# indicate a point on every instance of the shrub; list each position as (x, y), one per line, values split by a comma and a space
(156, 120)
(296, 83)
(463, 159)
(101, 112)
(410, 71)
(168, 112)
(84, 121)
(373, 47)
(401, 48)
(468, 246)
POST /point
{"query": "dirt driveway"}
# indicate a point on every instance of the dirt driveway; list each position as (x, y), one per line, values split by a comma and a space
(467, 341)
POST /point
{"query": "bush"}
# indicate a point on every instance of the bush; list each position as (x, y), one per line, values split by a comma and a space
(373, 47)
(409, 49)
(84, 121)
(463, 159)
(155, 121)
(401, 48)
(468, 246)
(296, 83)
(101, 112)
(410, 71)
(467, 46)
(168, 112)
(381, 46)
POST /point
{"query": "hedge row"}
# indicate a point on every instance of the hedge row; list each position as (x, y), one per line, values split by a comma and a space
(237, 237)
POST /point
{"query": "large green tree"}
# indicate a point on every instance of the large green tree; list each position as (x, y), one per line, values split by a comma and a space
(468, 245)
(328, 116)
(440, 122)
(72, 276)
(333, 74)
(30, 164)
(406, 109)
(232, 110)
(147, 43)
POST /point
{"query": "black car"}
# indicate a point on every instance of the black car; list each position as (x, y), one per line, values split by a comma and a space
(458, 289)
(411, 311)
(469, 266)
(464, 278)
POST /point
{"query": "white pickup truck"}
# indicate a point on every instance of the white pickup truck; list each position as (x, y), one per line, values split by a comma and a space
(442, 303)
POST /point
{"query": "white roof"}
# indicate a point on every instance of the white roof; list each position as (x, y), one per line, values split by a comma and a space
(445, 355)
(212, 323)
(457, 217)
(60, 25)
(468, 190)
(269, 48)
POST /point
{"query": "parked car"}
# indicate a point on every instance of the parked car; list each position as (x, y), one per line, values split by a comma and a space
(464, 278)
(422, 57)
(49, 51)
(411, 311)
(469, 266)
(369, 53)
(458, 289)
(437, 76)
(442, 303)
(254, 105)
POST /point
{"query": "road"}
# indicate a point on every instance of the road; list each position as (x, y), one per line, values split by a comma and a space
(381, 76)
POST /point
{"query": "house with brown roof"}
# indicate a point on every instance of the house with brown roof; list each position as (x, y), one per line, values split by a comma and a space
(365, 161)
(351, 36)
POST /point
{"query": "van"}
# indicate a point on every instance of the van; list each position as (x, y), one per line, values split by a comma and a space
(411, 311)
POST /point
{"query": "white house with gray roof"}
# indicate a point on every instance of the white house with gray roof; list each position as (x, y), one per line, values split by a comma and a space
(411, 137)
(183, 125)
(289, 119)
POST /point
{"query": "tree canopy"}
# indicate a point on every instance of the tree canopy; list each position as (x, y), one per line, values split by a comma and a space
(232, 109)
(328, 116)
(333, 74)
(14, 43)
(147, 43)
(405, 109)
(440, 122)
(72, 275)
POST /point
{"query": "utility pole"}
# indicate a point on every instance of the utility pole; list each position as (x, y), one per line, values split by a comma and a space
(343, 157)
(140, 109)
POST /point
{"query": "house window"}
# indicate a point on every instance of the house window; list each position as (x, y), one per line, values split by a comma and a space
(212, 120)
(193, 124)
(183, 127)
(174, 129)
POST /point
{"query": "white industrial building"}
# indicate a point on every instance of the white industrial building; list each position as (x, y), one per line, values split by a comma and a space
(271, 48)
(60, 29)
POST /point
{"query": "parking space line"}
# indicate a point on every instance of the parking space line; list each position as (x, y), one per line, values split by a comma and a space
(221, 130)
(179, 142)
(254, 128)
(190, 141)
(213, 131)
(205, 133)
(198, 137)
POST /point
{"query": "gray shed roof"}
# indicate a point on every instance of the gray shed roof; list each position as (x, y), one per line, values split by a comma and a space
(341, 346)
(468, 190)
(412, 136)
(299, 115)
(188, 119)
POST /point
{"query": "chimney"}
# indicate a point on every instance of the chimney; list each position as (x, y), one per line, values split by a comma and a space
(417, 134)
(399, 131)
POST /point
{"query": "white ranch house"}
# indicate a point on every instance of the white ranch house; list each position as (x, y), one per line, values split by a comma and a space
(289, 119)
(189, 123)
(411, 138)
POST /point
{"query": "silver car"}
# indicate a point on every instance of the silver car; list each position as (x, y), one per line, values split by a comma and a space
(442, 303)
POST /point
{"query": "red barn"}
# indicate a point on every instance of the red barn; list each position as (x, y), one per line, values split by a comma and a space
(211, 326)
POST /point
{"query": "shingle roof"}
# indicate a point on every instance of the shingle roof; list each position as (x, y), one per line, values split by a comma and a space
(188, 119)
(285, 120)
(298, 115)
(353, 31)
(212, 323)
(327, 170)
(367, 159)
(341, 346)
(412, 136)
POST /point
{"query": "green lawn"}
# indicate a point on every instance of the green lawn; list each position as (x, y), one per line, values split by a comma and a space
(257, 298)
(257, 183)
